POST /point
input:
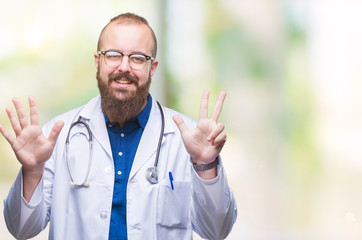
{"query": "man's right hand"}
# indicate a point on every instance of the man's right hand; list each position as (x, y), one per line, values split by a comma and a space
(30, 146)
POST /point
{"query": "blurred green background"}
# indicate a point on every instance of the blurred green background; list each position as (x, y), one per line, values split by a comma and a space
(293, 115)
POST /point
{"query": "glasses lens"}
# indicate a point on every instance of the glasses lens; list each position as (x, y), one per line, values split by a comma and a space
(137, 61)
(113, 58)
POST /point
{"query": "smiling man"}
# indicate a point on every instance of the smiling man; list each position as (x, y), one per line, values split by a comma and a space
(124, 85)
(136, 170)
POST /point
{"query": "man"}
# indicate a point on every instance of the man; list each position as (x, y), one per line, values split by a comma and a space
(145, 175)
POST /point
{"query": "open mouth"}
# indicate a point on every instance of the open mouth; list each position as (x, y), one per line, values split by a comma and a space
(123, 81)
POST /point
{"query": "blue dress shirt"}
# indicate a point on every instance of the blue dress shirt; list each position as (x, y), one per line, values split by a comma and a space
(124, 142)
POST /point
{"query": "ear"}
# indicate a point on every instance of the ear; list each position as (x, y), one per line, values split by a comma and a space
(96, 59)
(153, 67)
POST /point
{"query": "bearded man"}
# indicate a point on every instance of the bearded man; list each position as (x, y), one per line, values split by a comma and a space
(123, 167)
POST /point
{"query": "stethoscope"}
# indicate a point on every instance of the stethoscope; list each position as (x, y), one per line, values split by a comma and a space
(151, 173)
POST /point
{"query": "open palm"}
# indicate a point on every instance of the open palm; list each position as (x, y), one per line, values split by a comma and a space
(204, 142)
(30, 146)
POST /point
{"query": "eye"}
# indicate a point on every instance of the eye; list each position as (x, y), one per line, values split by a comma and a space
(139, 59)
(113, 55)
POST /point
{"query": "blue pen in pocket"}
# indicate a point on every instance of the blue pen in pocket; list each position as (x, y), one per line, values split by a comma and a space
(171, 179)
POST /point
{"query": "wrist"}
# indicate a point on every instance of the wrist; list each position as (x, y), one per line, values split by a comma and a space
(33, 172)
(31, 179)
(204, 167)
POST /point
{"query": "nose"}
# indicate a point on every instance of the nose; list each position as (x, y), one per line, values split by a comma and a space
(124, 65)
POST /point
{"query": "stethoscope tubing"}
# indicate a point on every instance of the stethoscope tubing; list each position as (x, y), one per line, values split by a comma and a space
(151, 173)
(161, 135)
(90, 141)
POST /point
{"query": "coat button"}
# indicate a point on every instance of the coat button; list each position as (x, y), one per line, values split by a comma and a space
(103, 215)
(108, 170)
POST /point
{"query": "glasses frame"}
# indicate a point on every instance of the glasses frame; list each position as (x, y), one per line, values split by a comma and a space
(128, 55)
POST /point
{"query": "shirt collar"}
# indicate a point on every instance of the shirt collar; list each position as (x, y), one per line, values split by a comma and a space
(141, 118)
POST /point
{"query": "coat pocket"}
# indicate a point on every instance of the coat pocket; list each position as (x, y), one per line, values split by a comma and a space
(174, 205)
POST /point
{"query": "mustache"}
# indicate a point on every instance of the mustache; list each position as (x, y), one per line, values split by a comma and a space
(117, 76)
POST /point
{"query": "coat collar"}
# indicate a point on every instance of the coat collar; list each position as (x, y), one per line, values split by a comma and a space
(93, 115)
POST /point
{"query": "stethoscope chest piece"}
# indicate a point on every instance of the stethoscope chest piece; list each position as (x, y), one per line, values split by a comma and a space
(152, 175)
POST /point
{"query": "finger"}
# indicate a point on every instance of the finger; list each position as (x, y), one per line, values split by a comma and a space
(34, 117)
(54, 133)
(204, 106)
(21, 114)
(14, 122)
(218, 106)
(180, 123)
(7, 135)
(215, 132)
(220, 139)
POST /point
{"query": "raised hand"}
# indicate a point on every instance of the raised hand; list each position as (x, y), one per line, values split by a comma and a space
(30, 146)
(204, 143)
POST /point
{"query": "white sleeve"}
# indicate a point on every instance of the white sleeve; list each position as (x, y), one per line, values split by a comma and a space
(25, 220)
(214, 209)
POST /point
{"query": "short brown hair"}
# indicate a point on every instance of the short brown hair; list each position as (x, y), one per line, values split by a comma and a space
(130, 18)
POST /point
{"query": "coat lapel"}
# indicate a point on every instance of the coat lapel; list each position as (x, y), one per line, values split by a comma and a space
(92, 113)
(147, 147)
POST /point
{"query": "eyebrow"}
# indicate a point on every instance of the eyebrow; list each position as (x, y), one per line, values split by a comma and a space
(136, 52)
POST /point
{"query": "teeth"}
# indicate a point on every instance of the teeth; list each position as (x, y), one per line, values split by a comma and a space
(123, 81)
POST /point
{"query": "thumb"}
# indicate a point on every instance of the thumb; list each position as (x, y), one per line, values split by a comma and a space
(53, 136)
(180, 123)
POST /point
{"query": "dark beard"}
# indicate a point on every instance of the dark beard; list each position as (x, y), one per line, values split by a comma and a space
(122, 110)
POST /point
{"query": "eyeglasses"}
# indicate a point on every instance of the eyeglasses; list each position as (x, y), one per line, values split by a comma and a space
(136, 60)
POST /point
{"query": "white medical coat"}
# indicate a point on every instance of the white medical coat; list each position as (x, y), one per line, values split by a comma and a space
(154, 211)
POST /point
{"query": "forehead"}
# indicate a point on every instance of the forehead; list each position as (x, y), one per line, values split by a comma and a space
(127, 38)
